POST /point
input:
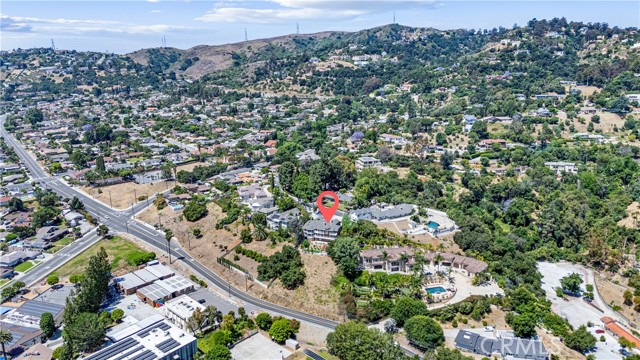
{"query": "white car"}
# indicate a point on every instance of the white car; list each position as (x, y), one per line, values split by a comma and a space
(488, 328)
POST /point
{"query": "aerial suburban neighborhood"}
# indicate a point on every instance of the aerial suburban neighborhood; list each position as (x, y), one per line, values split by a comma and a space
(390, 193)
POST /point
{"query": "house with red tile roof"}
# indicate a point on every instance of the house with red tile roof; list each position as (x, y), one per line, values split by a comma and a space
(618, 331)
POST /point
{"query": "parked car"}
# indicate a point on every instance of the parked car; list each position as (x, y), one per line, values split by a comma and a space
(488, 328)
(599, 331)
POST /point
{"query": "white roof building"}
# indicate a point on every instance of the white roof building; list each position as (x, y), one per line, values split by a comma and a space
(152, 338)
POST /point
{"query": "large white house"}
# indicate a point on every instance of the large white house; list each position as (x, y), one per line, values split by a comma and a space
(562, 167)
(366, 162)
(180, 309)
(393, 139)
(403, 259)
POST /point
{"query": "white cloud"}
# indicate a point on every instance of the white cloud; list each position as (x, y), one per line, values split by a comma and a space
(312, 10)
(73, 26)
(153, 1)
(156, 11)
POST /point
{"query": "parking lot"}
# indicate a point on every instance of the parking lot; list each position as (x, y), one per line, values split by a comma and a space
(211, 298)
(576, 310)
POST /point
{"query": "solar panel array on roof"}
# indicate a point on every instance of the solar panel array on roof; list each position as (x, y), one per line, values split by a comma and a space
(154, 291)
(147, 355)
(167, 345)
(161, 325)
(130, 353)
(36, 308)
(114, 350)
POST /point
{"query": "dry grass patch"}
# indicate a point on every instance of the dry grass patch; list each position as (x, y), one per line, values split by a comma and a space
(123, 195)
(633, 215)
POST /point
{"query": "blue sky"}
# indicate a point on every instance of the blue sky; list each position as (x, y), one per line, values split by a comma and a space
(128, 25)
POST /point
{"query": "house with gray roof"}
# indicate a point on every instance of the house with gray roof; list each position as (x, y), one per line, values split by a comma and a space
(321, 231)
(376, 213)
(508, 348)
(284, 219)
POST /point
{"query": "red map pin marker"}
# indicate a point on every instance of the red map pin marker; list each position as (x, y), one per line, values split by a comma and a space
(328, 212)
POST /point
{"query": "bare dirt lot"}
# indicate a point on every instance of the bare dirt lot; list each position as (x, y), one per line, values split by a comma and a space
(316, 296)
(633, 214)
(121, 196)
(612, 293)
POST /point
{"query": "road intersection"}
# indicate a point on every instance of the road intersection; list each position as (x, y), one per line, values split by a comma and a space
(124, 222)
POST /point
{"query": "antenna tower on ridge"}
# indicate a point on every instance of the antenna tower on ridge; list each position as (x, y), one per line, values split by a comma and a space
(246, 37)
(53, 45)
(297, 28)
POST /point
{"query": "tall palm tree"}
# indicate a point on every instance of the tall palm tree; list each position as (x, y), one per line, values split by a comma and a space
(404, 258)
(5, 338)
(260, 233)
(419, 262)
(438, 259)
(168, 234)
(385, 258)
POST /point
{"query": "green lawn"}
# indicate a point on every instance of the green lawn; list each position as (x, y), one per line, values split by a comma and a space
(120, 252)
(207, 342)
(63, 242)
(326, 355)
(24, 266)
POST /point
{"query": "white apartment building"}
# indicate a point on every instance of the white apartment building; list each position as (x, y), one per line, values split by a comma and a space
(367, 162)
(562, 167)
(179, 310)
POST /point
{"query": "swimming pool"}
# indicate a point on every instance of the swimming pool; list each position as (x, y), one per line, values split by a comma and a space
(436, 290)
(433, 224)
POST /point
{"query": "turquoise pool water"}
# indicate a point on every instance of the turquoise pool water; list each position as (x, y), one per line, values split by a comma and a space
(433, 224)
(436, 290)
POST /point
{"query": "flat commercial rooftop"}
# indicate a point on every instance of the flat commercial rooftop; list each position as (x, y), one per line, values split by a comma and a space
(154, 292)
(259, 347)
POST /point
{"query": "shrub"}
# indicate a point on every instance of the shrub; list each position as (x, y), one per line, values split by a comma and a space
(424, 332)
(75, 278)
(140, 257)
(52, 279)
(281, 330)
(195, 211)
(264, 321)
(251, 254)
(117, 314)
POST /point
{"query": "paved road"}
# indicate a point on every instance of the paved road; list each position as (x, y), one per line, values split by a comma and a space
(60, 258)
(122, 221)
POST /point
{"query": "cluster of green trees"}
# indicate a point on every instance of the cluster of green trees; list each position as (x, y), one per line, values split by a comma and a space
(196, 209)
(84, 325)
(200, 173)
(354, 340)
(280, 329)
(307, 180)
(285, 265)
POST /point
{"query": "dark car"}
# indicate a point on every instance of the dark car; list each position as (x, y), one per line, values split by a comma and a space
(201, 301)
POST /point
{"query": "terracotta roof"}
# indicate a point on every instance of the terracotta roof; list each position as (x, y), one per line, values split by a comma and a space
(616, 329)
